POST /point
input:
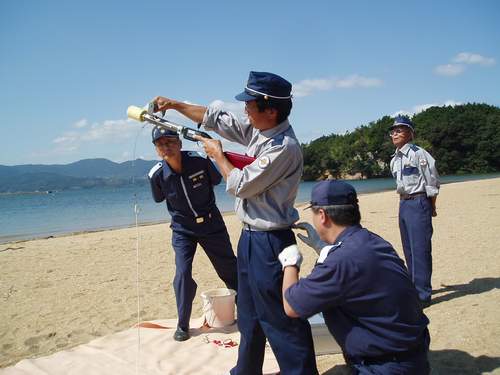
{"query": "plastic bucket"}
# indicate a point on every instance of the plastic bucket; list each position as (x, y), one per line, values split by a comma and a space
(219, 306)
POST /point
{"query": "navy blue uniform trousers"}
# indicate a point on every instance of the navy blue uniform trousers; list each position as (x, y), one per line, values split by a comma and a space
(218, 248)
(415, 225)
(415, 364)
(418, 365)
(260, 308)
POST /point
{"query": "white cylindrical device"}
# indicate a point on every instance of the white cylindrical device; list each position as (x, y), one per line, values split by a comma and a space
(136, 113)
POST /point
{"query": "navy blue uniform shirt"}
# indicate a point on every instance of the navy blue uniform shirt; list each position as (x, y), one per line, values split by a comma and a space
(368, 301)
(189, 195)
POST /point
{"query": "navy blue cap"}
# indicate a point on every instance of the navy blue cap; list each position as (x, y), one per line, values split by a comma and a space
(402, 121)
(333, 193)
(159, 132)
(267, 85)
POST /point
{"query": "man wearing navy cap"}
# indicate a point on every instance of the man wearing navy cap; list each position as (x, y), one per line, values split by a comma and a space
(417, 182)
(185, 181)
(361, 286)
(265, 192)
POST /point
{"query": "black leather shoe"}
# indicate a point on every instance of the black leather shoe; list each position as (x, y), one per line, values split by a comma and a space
(181, 334)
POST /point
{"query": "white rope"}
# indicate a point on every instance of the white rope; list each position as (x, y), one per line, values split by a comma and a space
(137, 286)
(137, 268)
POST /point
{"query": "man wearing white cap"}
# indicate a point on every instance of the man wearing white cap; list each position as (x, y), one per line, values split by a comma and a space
(417, 182)
(185, 182)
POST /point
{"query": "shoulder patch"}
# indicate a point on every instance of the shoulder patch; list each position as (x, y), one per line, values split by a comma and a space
(153, 170)
(423, 162)
(263, 162)
(414, 147)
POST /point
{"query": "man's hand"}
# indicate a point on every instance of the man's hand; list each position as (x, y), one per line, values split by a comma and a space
(290, 256)
(312, 239)
(212, 147)
(162, 104)
(192, 111)
(433, 206)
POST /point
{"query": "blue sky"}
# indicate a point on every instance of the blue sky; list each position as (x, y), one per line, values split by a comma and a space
(69, 70)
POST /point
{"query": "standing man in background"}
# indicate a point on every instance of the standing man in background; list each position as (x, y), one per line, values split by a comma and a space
(417, 182)
(185, 181)
(265, 192)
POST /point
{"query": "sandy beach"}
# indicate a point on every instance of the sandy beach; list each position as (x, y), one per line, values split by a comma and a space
(60, 292)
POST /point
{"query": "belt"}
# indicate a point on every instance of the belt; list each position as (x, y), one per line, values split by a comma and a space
(405, 197)
(202, 219)
(252, 228)
(393, 357)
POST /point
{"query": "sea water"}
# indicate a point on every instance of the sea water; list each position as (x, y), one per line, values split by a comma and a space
(25, 216)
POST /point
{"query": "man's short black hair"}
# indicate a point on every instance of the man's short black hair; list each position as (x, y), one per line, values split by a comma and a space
(283, 106)
(342, 214)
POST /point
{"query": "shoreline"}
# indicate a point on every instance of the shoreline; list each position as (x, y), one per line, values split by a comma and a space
(46, 236)
(28, 192)
(6, 239)
(50, 235)
(11, 240)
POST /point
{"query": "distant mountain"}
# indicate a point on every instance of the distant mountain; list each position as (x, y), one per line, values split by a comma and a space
(100, 168)
(81, 174)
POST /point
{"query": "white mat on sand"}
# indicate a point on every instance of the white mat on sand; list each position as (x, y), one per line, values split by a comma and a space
(159, 353)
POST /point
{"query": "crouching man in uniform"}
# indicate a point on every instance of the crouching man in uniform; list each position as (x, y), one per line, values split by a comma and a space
(185, 181)
(361, 286)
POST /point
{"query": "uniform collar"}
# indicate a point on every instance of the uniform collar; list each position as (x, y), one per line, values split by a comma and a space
(403, 150)
(326, 250)
(167, 171)
(347, 232)
(338, 241)
(280, 128)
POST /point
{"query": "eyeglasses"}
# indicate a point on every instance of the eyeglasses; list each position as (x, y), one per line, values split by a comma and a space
(397, 131)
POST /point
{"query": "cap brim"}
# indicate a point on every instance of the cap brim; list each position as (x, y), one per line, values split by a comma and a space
(245, 97)
(166, 136)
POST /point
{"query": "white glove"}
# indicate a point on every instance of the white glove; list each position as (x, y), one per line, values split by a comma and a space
(312, 239)
(290, 256)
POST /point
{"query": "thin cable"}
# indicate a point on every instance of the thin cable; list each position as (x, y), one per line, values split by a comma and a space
(137, 254)
(136, 211)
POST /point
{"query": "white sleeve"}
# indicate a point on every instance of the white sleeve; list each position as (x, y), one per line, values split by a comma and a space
(273, 165)
(427, 166)
(227, 125)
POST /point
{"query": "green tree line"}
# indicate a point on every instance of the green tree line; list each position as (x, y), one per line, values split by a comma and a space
(463, 139)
